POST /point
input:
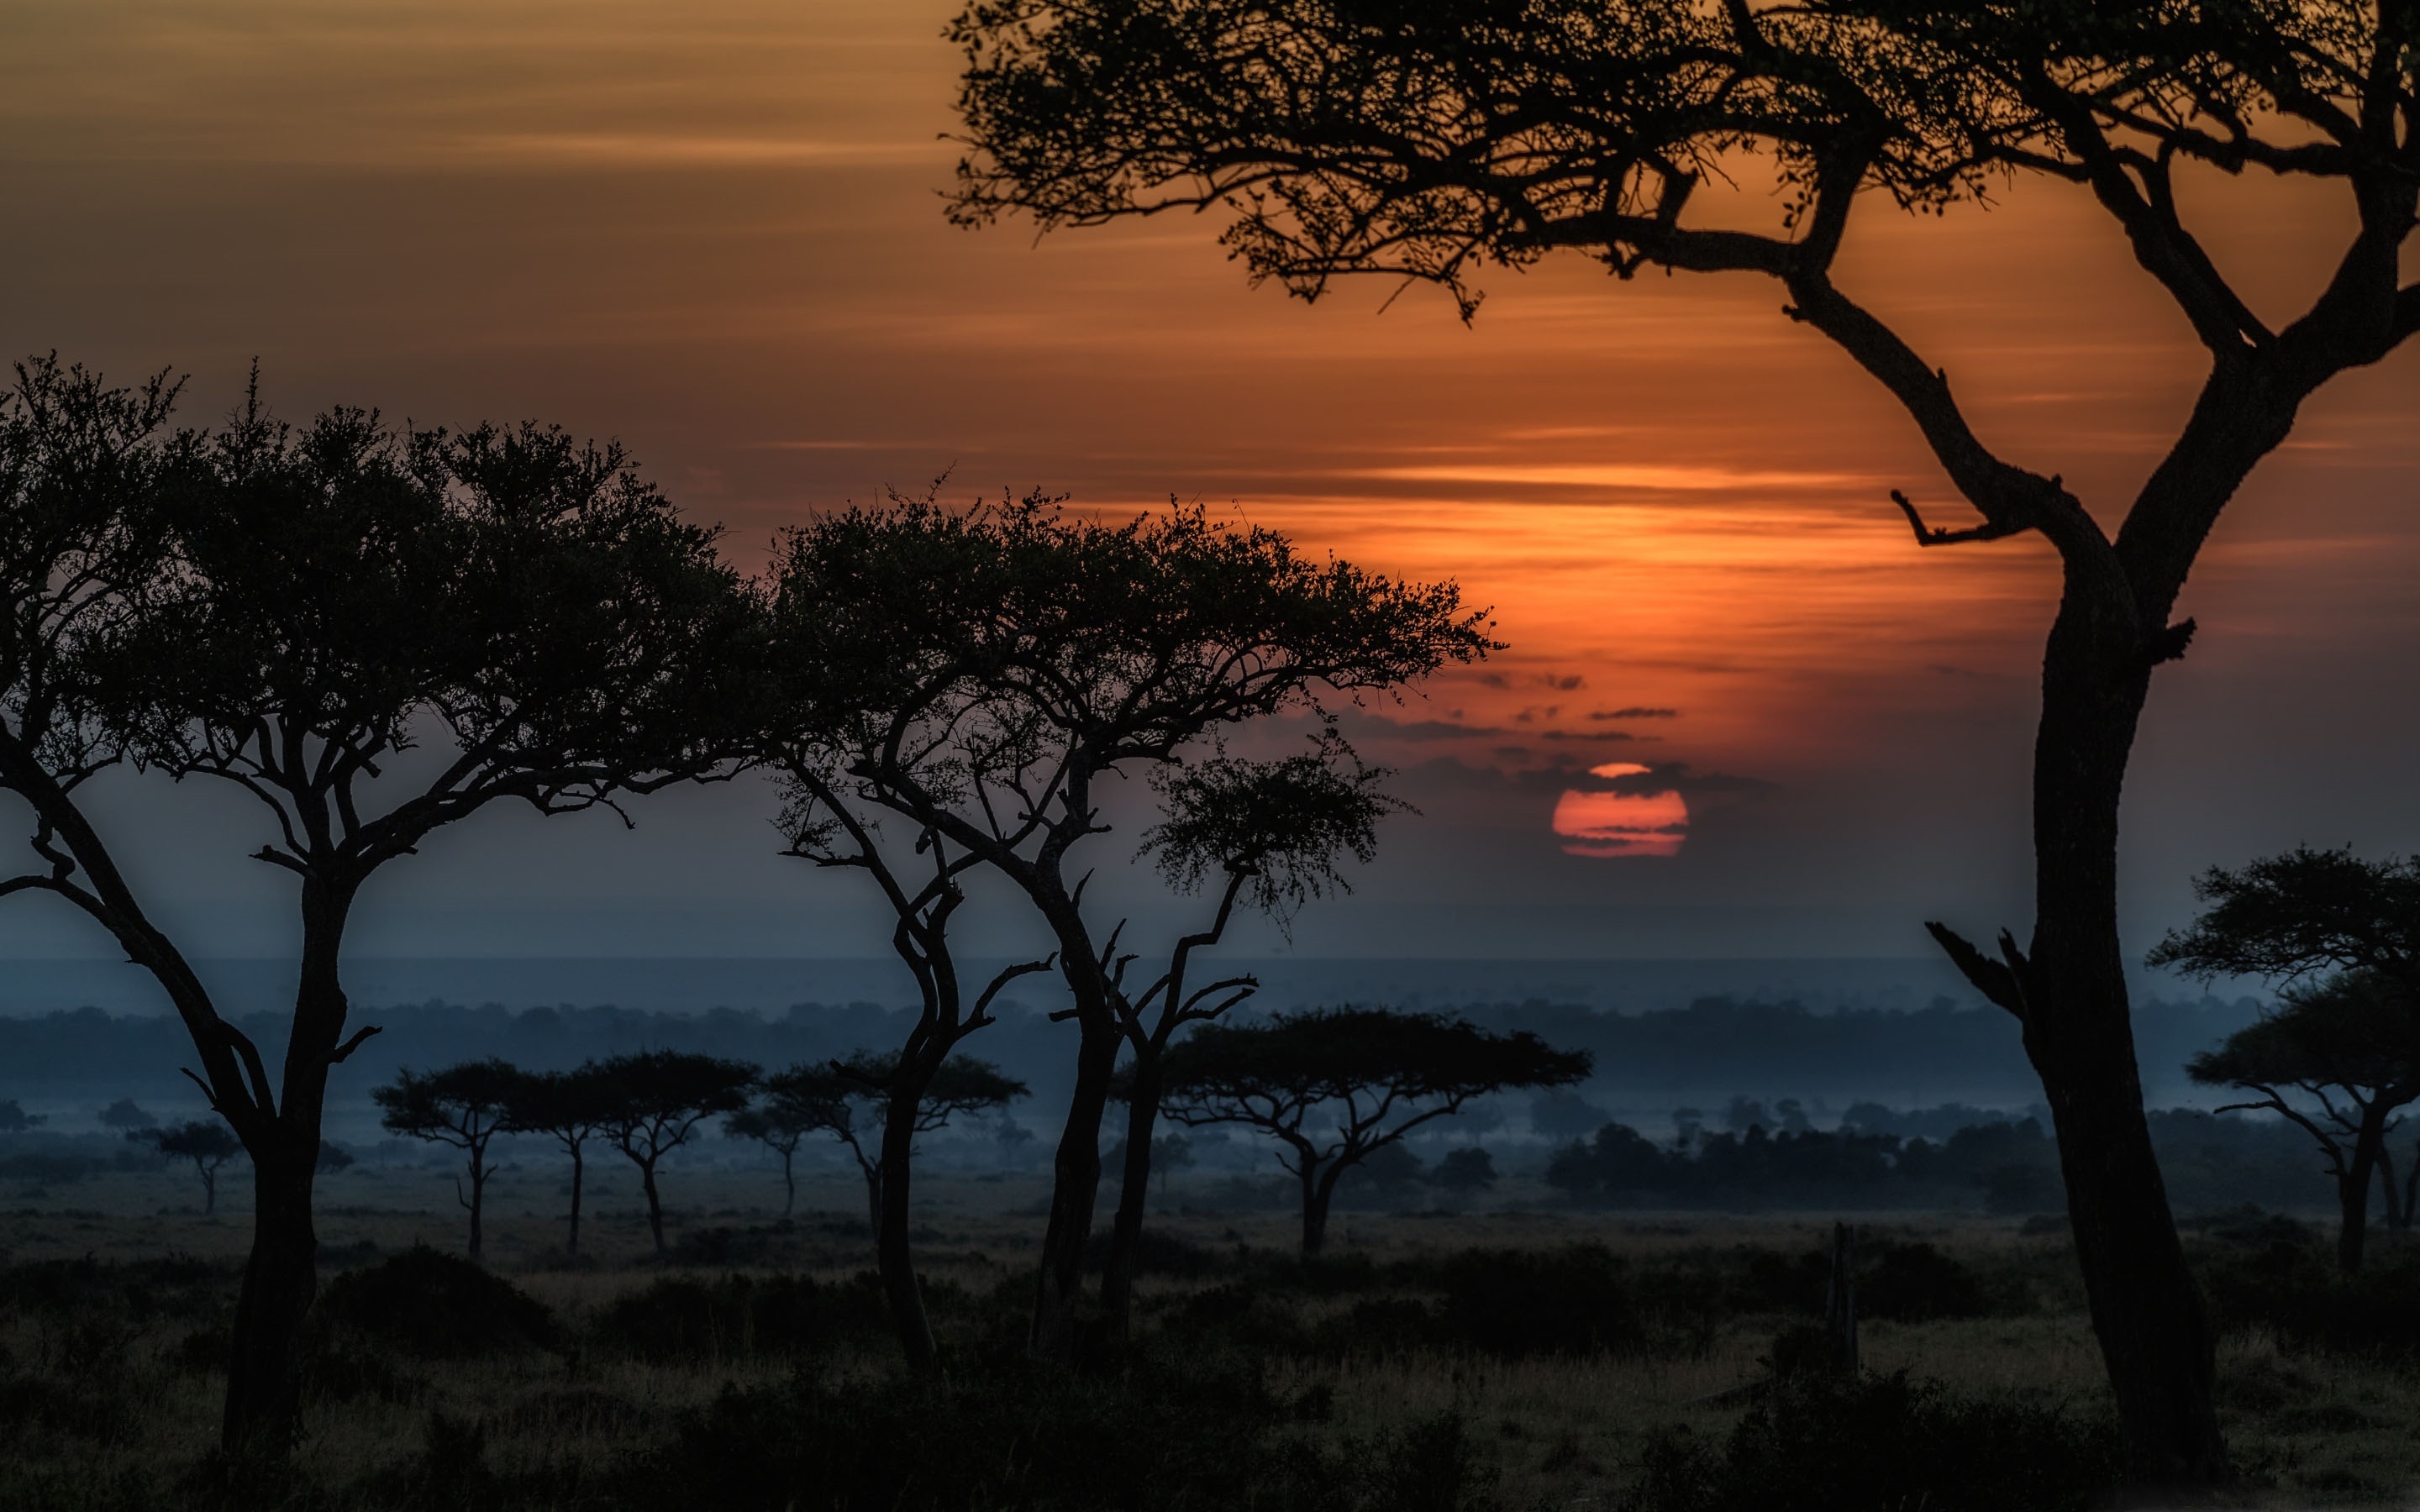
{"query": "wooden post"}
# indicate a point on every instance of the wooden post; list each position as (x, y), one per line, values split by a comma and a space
(1840, 1301)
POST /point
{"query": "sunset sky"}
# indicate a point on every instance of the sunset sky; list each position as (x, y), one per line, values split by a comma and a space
(715, 230)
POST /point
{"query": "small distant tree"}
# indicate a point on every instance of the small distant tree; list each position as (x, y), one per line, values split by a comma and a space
(572, 1107)
(15, 1119)
(124, 1113)
(464, 1106)
(772, 1126)
(658, 1097)
(1169, 1153)
(2338, 1060)
(2302, 915)
(332, 1158)
(208, 1142)
(1335, 1084)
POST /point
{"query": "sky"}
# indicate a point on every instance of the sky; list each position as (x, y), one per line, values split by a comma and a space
(1740, 714)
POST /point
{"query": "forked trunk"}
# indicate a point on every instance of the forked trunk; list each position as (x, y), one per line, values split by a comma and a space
(281, 1277)
(1057, 1333)
(2147, 1310)
(872, 1171)
(478, 1200)
(209, 1188)
(893, 1259)
(1134, 1182)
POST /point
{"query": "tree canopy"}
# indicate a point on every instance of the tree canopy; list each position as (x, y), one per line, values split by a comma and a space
(1335, 1084)
(2301, 913)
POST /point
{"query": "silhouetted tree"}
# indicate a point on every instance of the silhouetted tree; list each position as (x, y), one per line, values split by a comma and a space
(1274, 836)
(873, 1098)
(658, 1098)
(463, 1107)
(571, 1107)
(1424, 143)
(292, 612)
(2290, 917)
(15, 1119)
(208, 1142)
(1336, 1084)
(2347, 1045)
(332, 1158)
(770, 1125)
(1012, 657)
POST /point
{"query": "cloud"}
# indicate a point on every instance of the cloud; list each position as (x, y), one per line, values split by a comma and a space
(1668, 478)
(1586, 735)
(1570, 684)
(1635, 712)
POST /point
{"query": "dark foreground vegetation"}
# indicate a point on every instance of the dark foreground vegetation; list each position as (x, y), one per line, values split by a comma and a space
(433, 1383)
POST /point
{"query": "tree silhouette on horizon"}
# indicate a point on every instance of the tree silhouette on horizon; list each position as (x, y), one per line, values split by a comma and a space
(1432, 142)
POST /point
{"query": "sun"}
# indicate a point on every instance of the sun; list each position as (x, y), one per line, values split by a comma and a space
(1616, 824)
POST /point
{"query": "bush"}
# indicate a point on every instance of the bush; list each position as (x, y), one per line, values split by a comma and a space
(1518, 1302)
(436, 1307)
(1915, 1283)
(1144, 1439)
(2293, 1287)
(1884, 1442)
(680, 1318)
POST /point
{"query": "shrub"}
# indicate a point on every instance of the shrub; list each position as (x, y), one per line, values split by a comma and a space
(1883, 1442)
(437, 1306)
(1517, 1303)
(2294, 1288)
(1915, 1283)
(1143, 1440)
(681, 1318)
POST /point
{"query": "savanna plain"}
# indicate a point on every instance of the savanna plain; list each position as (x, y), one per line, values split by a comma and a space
(1514, 1354)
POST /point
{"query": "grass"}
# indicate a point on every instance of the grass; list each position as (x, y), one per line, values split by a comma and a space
(1349, 1386)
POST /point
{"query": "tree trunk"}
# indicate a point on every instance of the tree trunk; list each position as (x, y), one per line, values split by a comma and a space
(281, 1277)
(209, 1188)
(1056, 1331)
(2147, 1310)
(571, 1240)
(655, 1205)
(479, 1199)
(1316, 1191)
(893, 1260)
(2353, 1190)
(789, 1185)
(1126, 1234)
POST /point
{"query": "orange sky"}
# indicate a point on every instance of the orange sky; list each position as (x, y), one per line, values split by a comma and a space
(714, 230)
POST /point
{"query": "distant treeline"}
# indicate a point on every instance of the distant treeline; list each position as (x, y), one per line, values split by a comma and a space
(1889, 1055)
(2211, 1162)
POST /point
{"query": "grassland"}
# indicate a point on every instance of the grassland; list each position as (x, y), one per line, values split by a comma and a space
(107, 1350)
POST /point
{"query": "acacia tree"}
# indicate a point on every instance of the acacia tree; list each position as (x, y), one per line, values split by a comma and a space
(1336, 1084)
(2347, 1045)
(2294, 917)
(572, 1107)
(656, 1098)
(1427, 143)
(293, 612)
(1274, 834)
(464, 1106)
(772, 1125)
(1013, 657)
(206, 1141)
